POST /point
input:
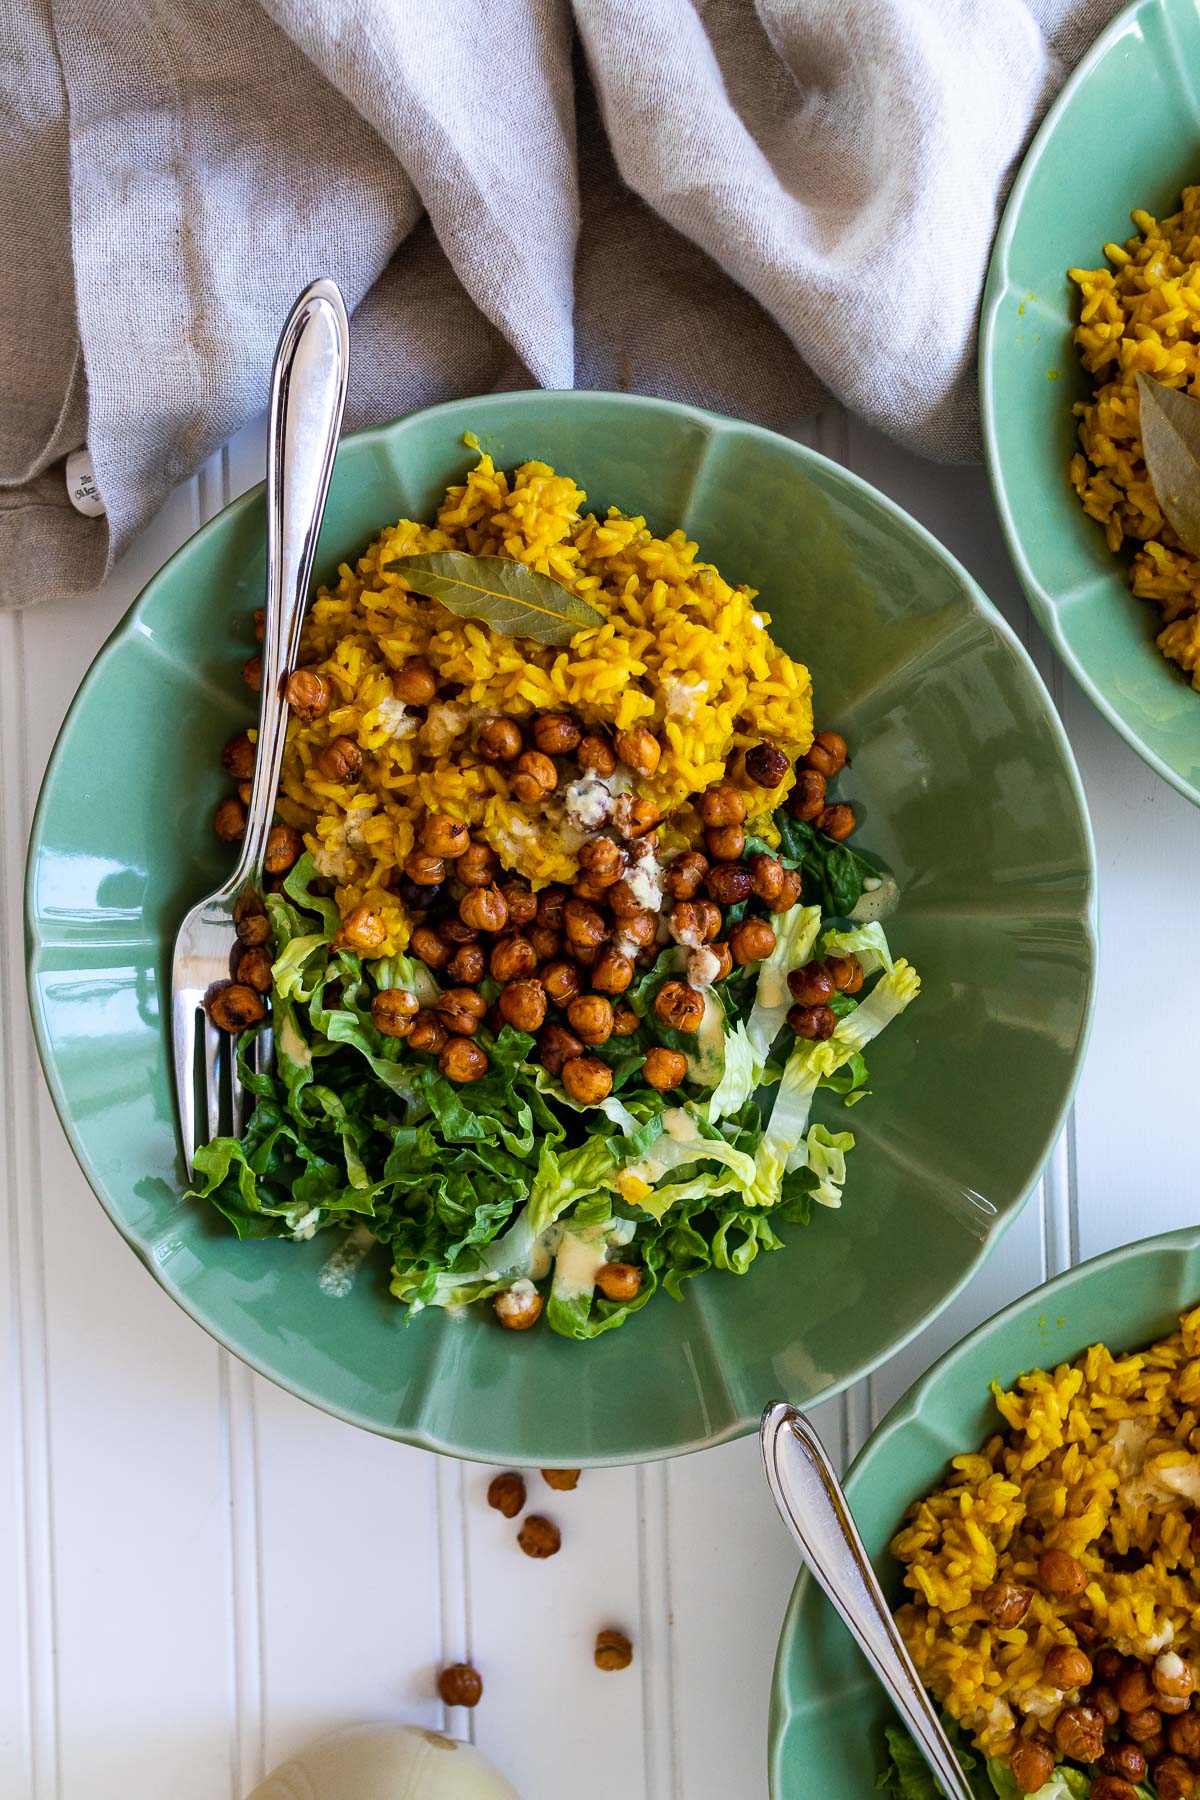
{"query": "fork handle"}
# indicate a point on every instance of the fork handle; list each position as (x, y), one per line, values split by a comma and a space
(809, 1496)
(308, 397)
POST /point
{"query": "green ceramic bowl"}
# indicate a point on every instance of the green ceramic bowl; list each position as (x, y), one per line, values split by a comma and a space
(966, 787)
(1126, 1299)
(1122, 134)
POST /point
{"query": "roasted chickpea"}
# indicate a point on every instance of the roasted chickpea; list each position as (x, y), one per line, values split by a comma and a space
(847, 973)
(536, 777)
(766, 765)
(560, 978)
(393, 1011)
(622, 899)
(1125, 1761)
(424, 870)
(1110, 1665)
(237, 758)
(640, 749)
(679, 1006)
(252, 672)
(724, 956)
(254, 969)
(625, 1021)
(1111, 1787)
(498, 740)
(634, 815)
(1065, 1667)
(590, 1017)
(555, 1045)
(1153, 1747)
(1005, 1604)
(507, 1493)
(428, 1033)
(523, 1004)
(1143, 1726)
(812, 985)
(443, 836)
(728, 883)
(812, 1022)
(361, 929)
(547, 945)
(485, 908)
(1171, 1676)
(637, 930)
(233, 1006)
(521, 902)
(1183, 1735)
(1172, 1705)
(460, 1010)
(512, 957)
(468, 966)
(766, 876)
(723, 806)
(685, 875)
(539, 1537)
(694, 922)
(612, 972)
(837, 821)
(619, 1281)
(229, 821)
(285, 847)
(260, 622)
(556, 734)
(462, 1061)
(1104, 1701)
(827, 755)
(584, 923)
(789, 894)
(460, 1685)
(340, 761)
(455, 932)
(430, 947)
(596, 753)
(308, 694)
(613, 1651)
(602, 861)
(587, 1079)
(550, 904)
(1174, 1778)
(751, 940)
(476, 867)
(517, 1308)
(1032, 1765)
(1060, 1575)
(250, 922)
(806, 801)
(664, 1069)
(245, 789)
(1079, 1733)
(563, 1481)
(415, 684)
(725, 844)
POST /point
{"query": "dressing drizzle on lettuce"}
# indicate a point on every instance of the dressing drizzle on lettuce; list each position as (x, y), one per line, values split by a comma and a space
(472, 1188)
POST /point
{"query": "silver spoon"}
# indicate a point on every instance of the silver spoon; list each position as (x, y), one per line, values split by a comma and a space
(805, 1488)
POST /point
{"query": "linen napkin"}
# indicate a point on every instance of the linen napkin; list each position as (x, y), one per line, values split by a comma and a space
(746, 204)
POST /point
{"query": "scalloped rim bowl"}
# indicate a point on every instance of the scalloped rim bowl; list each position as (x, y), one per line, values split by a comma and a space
(1128, 1298)
(1074, 193)
(966, 786)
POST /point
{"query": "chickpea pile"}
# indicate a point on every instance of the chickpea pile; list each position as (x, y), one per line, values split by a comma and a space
(1130, 1717)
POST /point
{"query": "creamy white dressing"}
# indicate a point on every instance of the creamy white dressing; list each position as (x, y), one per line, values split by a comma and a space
(515, 1299)
(306, 1226)
(292, 1044)
(587, 803)
(703, 967)
(644, 878)
(878, 900)
(581, 1256)
(680, 1125)
(397, 718)
(337, 1275)
(514, 837)
(706, 1063)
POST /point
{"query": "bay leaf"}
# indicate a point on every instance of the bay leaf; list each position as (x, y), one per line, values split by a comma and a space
(1171, 447)
(504, 594)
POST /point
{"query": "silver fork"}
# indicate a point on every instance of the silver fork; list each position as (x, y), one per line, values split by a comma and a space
(805, 1488)
(308, 394)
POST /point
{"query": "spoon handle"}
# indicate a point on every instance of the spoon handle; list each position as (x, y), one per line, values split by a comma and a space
(810, 1499)
(308, 397)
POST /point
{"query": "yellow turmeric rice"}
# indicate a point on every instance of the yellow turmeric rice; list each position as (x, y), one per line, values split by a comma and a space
(680, 650)
(1101, 1461)
(1141, 313)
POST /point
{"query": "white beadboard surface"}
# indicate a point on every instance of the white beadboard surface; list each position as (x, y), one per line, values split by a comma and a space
(199, 1572)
